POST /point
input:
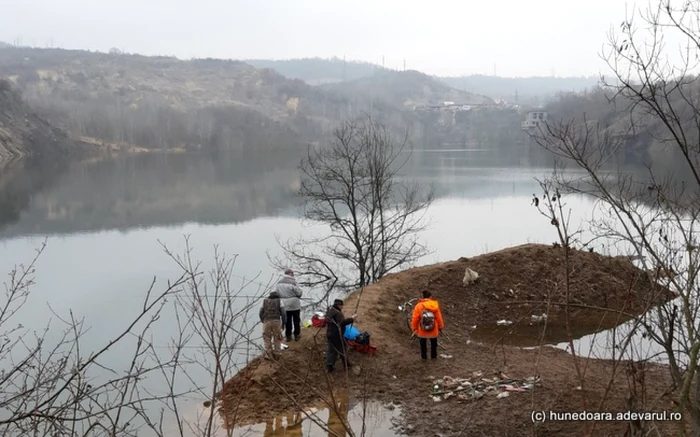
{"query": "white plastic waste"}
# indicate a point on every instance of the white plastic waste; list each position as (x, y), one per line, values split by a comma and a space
(470, 276)
(538, 319)
(504, 322)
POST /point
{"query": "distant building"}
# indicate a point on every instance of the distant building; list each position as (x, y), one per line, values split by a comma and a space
(533, 120)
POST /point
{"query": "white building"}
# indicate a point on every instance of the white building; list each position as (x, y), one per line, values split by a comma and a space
(533, 120)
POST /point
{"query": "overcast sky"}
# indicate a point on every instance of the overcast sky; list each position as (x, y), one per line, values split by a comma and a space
(519, 37)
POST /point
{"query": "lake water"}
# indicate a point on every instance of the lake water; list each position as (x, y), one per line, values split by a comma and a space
(104, 223)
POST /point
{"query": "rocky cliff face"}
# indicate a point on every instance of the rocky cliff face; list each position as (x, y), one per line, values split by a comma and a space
(23, 133)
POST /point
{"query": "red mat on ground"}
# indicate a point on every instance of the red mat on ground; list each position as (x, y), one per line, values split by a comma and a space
(363, 348)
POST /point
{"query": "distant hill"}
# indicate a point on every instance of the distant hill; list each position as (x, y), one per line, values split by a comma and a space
(525, 87)
(165, 102)
(405, 89)
(532, 90)
(317, 71)
(23, 133)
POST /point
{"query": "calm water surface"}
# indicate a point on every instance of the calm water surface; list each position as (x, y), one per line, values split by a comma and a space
(104, 223)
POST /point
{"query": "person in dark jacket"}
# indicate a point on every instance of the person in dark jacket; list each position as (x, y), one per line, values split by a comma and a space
(335, 327)
(271, 313)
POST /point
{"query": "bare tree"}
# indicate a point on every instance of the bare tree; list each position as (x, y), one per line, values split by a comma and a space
(133, 384)
(216, 316)
(354, 187)
(654, 216)
(49, 385)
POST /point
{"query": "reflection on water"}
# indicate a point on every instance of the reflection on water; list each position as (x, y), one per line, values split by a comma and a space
(146, 190)
(332, 422)
(173, 189)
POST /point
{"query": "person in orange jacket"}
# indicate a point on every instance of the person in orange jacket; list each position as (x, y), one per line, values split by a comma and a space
(427, 323)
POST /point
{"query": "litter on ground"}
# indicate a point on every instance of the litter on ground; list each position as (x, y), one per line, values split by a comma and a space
(470, 276)
(445, 356)
(475, 387)
(538, 319)
(504, 322)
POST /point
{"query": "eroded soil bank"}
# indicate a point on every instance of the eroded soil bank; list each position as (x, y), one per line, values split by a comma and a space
(514, 285)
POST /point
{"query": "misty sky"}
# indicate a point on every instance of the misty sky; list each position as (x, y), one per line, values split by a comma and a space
(520, 37)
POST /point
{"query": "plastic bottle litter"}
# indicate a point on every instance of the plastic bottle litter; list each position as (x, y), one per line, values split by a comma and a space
(504, 322)
(538, 319)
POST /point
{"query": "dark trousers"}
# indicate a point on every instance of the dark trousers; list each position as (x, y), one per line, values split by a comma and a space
(424, 348)
(293, 317)
(336, 349)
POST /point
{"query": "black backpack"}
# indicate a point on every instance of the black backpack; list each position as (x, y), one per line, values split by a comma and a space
(362, 339)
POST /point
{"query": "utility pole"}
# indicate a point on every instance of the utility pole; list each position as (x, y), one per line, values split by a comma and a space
(344, 64)
(404, 64)
(382, 61)
(516, 97)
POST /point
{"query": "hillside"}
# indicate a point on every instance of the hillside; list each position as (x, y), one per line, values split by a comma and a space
(642, 137)
(317, 71)
(405, 89)
(23, 133)
(532, 90)
(162, 102)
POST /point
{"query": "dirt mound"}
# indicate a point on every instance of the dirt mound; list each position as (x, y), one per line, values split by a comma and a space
(530, 280)
(396, 373)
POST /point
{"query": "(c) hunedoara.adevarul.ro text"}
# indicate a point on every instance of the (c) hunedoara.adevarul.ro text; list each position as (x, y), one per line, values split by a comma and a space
(568, 416)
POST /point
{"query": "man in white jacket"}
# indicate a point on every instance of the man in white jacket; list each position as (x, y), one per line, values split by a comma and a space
(290, 295)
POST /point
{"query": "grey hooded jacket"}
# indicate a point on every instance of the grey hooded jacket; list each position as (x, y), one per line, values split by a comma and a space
(289, 292)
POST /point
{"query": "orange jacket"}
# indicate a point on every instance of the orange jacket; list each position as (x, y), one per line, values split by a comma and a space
(430, 305)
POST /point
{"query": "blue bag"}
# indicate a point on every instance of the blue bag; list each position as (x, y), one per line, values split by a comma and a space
(351, 332)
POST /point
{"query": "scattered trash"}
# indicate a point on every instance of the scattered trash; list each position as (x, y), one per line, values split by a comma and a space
(393, 376)
(473, 327)
(538, 319)
(578, 388)
(501, 375)
(512, 388)
(307, 324)
(474, 388)
(470, 276)
(504, 322)
(445, 356)
(283, 346)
